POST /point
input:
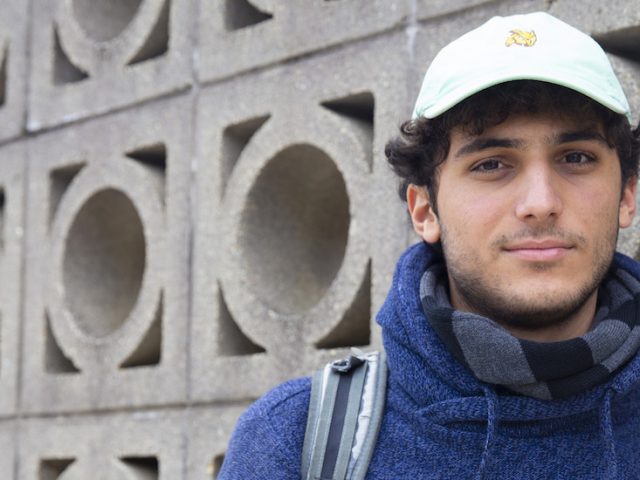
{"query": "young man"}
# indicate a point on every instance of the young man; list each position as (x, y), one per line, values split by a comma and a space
(512, 332)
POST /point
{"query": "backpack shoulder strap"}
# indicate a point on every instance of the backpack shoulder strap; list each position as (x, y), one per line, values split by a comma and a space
(345, 413)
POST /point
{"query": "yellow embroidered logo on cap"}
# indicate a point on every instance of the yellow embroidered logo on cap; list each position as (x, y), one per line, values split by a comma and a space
(520, 37)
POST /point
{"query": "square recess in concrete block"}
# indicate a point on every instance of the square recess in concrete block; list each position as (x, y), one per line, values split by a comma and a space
(107, 262)
(139, 445)
(298, 223)
(13, 67)
(238, 35)
(92, 57)
(12, 168)
(208, 433)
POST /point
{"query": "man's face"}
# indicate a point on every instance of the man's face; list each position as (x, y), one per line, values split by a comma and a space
(528, 214)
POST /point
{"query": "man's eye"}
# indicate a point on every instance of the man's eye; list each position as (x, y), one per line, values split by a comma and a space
(578, 158)
(487, 166)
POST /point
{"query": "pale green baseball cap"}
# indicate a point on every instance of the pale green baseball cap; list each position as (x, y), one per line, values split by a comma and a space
(535, 46)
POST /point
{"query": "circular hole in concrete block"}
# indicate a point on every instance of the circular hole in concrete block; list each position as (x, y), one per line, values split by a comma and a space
(295, 226)
(103, 20)
(104, 262)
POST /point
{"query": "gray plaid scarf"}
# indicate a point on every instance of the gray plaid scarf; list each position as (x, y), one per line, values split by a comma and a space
(537, 369)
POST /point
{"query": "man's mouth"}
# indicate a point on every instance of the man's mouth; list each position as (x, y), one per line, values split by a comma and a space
(549, 250)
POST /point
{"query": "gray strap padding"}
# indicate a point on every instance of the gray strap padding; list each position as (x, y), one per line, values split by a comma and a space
(350, 422)
(378, 385)
(322, 401)
(317, 385)
(355, 420)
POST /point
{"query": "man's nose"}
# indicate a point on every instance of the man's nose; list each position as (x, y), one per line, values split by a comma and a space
(539, 197)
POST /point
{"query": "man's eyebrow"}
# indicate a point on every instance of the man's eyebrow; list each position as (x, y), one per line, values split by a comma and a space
(579, 135)
(480, 144)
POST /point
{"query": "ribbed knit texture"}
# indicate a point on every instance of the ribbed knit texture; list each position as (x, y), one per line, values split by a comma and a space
(441, 422)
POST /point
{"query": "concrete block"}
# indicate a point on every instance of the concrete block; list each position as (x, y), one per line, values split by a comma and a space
(125, 446)
(13, 161)
(13, 67)
(238, 35)
(8, 452)
(208, 432)
(426, 9)
(107, 262)
(90, 58)
(620, 18)
(298, 223)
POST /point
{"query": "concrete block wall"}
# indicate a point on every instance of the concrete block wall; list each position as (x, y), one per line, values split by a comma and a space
(195, 206)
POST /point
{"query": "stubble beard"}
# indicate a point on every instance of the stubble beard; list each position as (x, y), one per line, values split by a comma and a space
(484, 293)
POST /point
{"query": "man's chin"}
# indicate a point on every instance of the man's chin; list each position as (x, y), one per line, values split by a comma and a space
(536, 316)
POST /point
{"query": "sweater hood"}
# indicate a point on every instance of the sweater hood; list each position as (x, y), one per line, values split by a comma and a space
(446, 391)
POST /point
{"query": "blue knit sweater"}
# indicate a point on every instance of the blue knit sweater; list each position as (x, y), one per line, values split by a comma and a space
(441, 422)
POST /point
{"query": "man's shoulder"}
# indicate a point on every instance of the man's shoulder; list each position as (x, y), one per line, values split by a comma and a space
(281, 410)
(288, 397)
(267, 440)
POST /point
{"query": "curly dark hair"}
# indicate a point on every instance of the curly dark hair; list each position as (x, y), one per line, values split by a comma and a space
(423, 143)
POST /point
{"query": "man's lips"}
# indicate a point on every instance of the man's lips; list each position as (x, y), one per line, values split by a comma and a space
(539, 250)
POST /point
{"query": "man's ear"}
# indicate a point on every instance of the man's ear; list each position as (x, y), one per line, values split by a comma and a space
(628, 203)
(424, 218)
